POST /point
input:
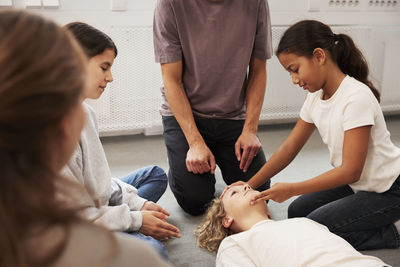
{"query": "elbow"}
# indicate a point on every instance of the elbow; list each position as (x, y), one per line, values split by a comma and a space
(354, 175)
(172, 82)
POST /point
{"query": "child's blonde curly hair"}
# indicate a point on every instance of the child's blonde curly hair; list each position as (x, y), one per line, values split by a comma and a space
(211, 232)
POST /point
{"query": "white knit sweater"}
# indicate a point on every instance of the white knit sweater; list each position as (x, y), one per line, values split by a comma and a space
(119, 202)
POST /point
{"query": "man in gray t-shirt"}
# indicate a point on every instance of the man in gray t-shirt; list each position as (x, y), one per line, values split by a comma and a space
(213, 59)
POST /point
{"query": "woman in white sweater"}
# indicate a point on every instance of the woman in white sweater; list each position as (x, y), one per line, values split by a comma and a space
(126, 204)
(41, 117)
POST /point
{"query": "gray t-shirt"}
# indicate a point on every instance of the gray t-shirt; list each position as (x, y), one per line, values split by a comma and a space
(215, 41)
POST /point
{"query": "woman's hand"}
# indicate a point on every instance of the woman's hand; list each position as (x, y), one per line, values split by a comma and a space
(279, 192)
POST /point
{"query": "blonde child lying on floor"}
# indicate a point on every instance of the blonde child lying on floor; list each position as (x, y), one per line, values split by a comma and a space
(245, 235)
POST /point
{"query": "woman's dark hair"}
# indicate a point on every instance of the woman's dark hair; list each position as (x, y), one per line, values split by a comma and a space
(92, 40)
(304, 36)
(41, 80)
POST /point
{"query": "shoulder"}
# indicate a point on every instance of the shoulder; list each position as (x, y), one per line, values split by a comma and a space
(91, 117)
(357, 91)
(89, 110)
(312, 98)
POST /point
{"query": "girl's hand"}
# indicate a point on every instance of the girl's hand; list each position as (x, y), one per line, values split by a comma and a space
(150, 205)
(279, 192)
(229, 186)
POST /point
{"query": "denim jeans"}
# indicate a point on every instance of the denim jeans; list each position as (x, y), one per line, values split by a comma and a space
(151, 182)
(157, 245)
(194, 192)
(364, 219)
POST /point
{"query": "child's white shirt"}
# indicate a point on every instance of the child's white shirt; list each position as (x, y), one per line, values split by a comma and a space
(293, 243)
(354, 105)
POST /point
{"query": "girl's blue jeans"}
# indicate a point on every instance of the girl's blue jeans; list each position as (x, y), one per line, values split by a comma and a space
(364, 219)
(151, 183)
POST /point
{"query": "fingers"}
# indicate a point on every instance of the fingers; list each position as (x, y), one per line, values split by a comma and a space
(264, 195)
(160, 209)
(160, 215)
(167, 227)
(212, 164)
(200, 162)
(196, 166)
(237, 150)
(252, 154)
(164, 211)
(154, 225)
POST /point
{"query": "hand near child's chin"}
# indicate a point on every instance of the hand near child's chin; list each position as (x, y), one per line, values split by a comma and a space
(279, 192)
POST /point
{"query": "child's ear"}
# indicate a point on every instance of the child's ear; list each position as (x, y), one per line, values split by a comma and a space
(320, 55)
(227, 221)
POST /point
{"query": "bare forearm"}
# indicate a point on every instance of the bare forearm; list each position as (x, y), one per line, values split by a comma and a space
(255, 96)
(284, 154)
(180, 106)
(178, 101)
(278, 161)
(331, 179)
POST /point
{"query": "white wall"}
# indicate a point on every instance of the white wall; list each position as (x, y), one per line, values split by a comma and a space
(130, 104)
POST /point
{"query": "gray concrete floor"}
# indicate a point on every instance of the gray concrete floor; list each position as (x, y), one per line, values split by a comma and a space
(126, 153)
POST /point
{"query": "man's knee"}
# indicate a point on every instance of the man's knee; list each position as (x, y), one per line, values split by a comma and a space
(195, 201)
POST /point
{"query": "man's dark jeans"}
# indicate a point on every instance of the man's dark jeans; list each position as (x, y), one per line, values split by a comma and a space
(195, 191)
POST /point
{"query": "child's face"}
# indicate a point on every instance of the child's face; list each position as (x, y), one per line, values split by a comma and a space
(306, 72)
(99, 73)
(237, 200)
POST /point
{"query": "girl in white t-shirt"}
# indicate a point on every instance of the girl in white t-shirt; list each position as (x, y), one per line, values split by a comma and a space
(359, 199)
(244, 235)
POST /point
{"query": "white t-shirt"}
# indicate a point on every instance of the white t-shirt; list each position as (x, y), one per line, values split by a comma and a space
(293, 242)
(354, 105)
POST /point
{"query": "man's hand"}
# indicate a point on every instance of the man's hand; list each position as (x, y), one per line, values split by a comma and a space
(150, 205)
(154, 224)
(279, 192)
(199, 159)
(250, 145)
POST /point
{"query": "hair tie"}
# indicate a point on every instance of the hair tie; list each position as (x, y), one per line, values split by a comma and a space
(335, 38)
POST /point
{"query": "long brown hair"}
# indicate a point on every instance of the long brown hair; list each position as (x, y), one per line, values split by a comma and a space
(41, 79)
(304, 36)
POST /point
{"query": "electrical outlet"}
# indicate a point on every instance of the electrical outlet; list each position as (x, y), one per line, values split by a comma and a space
(343, 5)
(383, 5)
